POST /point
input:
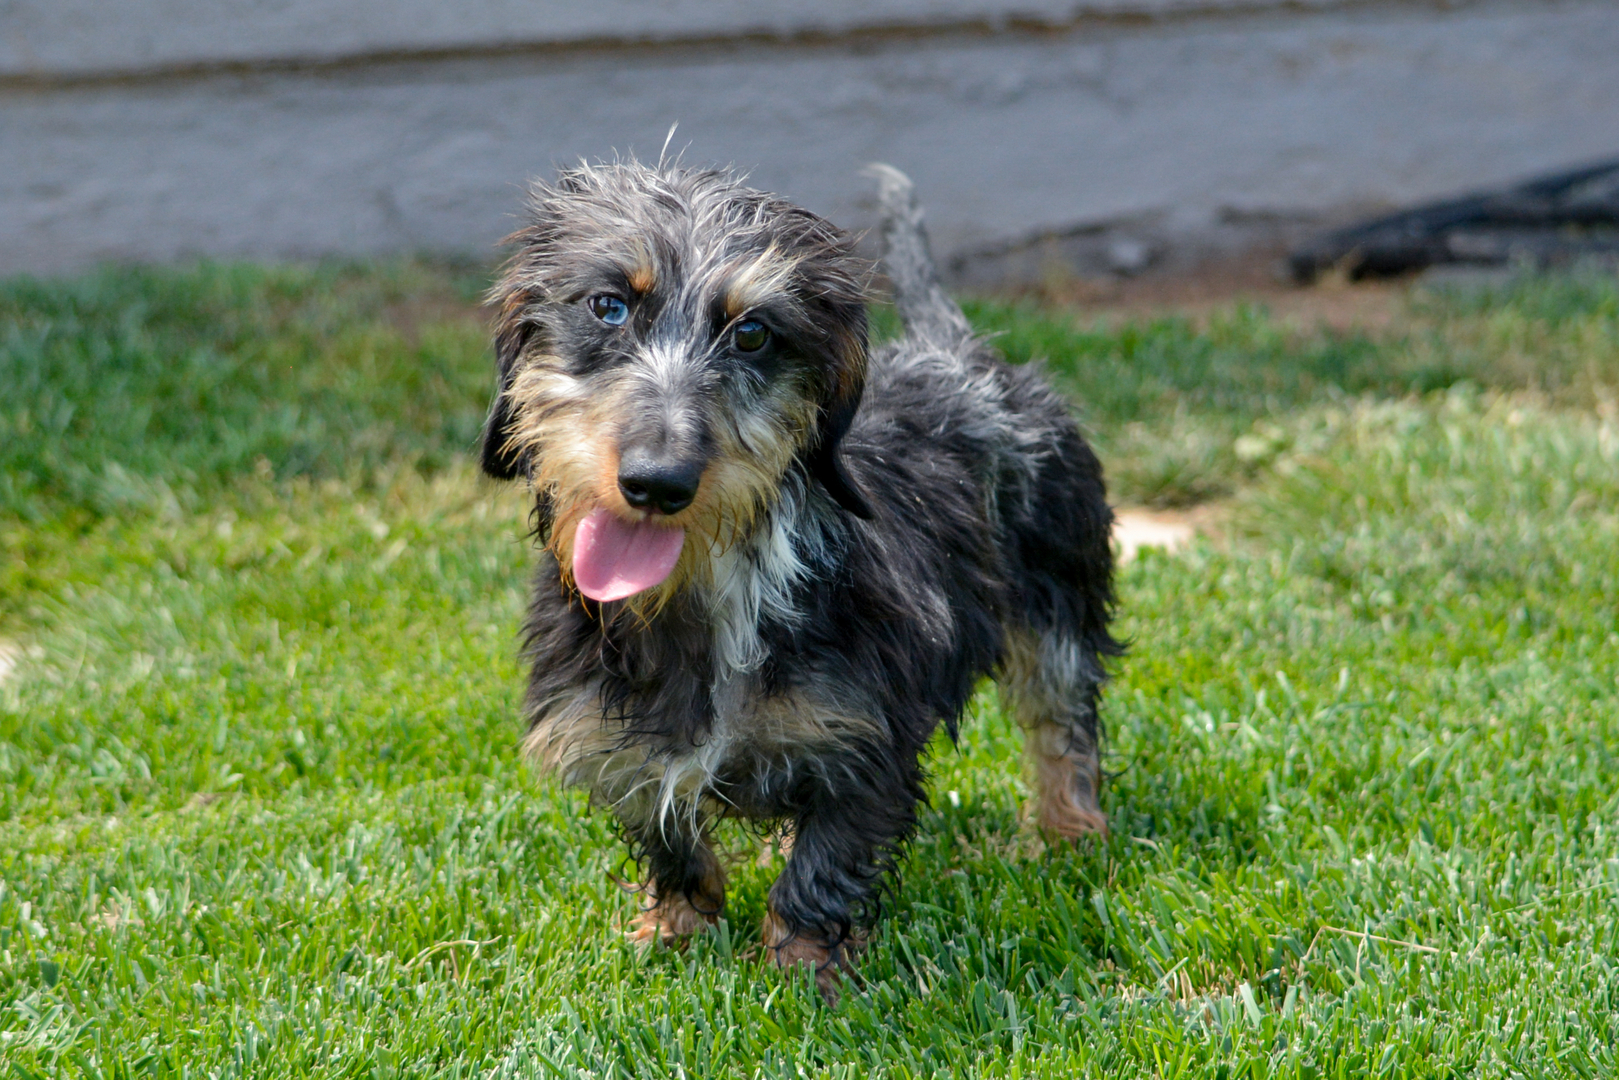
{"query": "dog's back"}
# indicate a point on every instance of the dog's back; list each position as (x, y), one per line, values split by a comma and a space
(954, 397)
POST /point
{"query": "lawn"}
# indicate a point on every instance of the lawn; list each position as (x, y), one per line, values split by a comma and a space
(262, 811)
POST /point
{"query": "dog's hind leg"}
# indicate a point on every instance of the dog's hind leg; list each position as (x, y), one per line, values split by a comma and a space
(1052, 684)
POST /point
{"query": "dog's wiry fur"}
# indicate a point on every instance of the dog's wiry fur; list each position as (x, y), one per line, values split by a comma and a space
(871, 535)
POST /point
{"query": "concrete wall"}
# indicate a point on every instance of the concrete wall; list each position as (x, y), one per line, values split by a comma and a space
(1105, 132)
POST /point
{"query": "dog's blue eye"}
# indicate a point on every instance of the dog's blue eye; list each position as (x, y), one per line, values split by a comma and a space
(609, 309)
(750, 335)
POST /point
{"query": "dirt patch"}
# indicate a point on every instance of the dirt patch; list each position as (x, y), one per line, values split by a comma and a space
(1171, 530)
(1255, 277)
(409, 318)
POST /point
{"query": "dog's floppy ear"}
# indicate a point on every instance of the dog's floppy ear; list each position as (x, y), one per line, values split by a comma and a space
(840, 400)
(500, 459)
(521, 286)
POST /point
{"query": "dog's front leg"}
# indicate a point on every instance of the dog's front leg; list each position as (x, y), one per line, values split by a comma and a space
(843, 844)
(684, 887)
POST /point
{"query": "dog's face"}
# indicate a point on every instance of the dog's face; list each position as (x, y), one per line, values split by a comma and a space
(669, 344)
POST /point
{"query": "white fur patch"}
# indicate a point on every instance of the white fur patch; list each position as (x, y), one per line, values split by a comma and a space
(753, 580)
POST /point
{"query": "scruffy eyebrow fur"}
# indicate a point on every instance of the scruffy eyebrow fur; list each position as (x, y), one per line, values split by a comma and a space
(862, 538)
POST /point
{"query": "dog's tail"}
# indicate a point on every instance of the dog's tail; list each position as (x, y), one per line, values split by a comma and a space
(923, 305)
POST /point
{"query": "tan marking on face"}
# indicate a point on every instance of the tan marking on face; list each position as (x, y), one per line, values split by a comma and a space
(765, 278)
(642, 271)
(643, 278)
(566, 425)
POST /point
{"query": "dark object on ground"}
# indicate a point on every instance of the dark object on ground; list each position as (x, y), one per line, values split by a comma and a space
(1551, 221)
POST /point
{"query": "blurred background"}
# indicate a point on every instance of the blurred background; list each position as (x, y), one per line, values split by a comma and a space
(1047, 137)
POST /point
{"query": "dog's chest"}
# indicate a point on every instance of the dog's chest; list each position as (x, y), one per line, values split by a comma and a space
(756, 735)
(739, 708)
(758, 746)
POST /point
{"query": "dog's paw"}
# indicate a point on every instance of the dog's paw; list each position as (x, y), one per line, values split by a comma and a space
(1065, 802)
(669, 921)
(1068, 819)
(831, 963)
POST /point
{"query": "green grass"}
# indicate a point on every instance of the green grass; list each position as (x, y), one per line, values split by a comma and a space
(261, 809)
(127, 384)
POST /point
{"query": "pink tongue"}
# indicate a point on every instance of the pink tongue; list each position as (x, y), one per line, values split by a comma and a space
(613, 559)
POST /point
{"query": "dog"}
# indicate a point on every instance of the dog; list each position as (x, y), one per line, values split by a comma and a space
(774, 560)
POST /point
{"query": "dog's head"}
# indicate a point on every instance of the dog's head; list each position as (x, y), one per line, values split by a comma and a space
(670, 343)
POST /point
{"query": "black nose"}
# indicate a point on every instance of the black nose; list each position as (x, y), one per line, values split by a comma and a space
(665, 486)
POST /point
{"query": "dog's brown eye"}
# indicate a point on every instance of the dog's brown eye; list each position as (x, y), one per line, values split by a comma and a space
(750, 335)
(609, 309)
